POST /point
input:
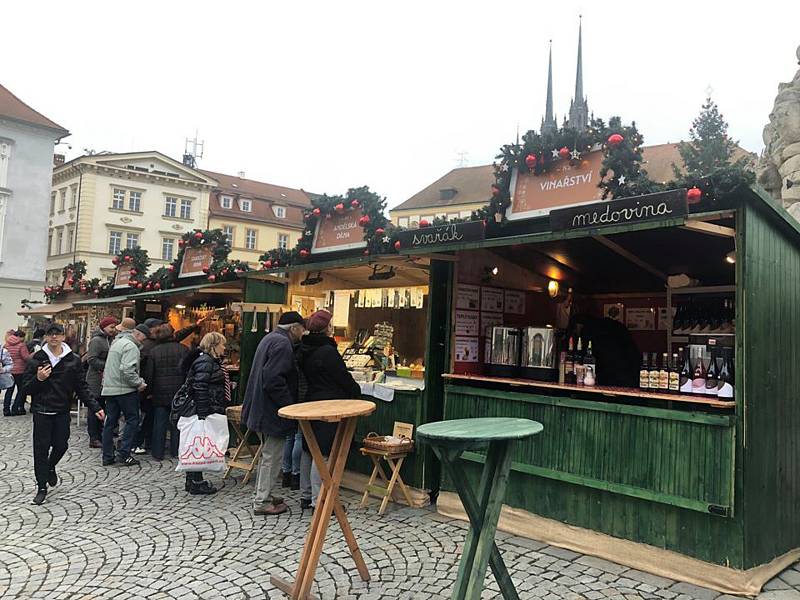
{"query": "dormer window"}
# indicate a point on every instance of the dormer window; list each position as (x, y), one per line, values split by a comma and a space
(280, 211)
(226, 201)
(246, 205)
(447, 193)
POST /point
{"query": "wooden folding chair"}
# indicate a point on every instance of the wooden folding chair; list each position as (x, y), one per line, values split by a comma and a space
(244, 448)
(395, 461)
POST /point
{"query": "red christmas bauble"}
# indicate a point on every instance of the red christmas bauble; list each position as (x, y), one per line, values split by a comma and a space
(366, 252)
(171, 268)
(303, 252)
(181, 242)
(47, 290)
(339, 207)
(530, 160)
(70, 282)
(424, 223)
(355, 204)
(132, 272)
(364, 220)
(206, 269)
(148, 287)
(157, 286)
(693, 195)
(96, 291)
(127, 258)
(212, 277)
(397, 245)
(198, 235)
(115, 261)
(495, 191)
(317, 212)
(267, 264)
(564, 152)
(615, 139)
(380, 231)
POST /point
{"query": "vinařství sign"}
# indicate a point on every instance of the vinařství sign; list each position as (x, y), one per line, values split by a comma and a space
(663, 205)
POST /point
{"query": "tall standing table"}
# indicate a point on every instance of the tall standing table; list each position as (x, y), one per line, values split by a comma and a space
(449, 439)
(345, 413)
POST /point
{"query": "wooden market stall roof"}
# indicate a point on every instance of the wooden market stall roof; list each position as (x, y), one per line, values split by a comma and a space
(223, 287)
(45, 309)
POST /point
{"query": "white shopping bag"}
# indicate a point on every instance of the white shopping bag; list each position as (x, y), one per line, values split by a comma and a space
(203, 443)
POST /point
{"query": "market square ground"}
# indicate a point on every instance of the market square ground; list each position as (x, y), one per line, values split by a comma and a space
(134, 533)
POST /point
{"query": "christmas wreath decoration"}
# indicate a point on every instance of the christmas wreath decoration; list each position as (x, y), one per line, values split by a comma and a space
(137, 262)
(373, 222)
(74, 281)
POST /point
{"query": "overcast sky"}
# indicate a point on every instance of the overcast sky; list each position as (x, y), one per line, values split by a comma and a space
(331, 95)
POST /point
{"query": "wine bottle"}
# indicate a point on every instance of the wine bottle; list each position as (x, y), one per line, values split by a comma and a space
(699, 377)
(711, 375)
(725, 383)
(663, 373)
(580, 371)
(569, 364)
(654, 371)
(674, 375)
(686, 371)
(644, 373)
(590, 375)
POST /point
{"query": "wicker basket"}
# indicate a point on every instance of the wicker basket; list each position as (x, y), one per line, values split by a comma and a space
(373, 441)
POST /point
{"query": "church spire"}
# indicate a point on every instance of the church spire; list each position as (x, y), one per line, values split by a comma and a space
(579, 108)
(549, 122)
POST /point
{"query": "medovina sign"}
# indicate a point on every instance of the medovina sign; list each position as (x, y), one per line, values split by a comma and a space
(663, 205)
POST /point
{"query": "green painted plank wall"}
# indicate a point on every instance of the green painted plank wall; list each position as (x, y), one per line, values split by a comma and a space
(769, 337)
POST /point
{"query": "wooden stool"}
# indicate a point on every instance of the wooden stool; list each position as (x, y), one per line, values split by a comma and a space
(345, 413)
(449, 439)
(234, 414)
(395, 461)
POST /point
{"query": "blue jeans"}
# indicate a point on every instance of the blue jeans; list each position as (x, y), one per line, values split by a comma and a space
(128, 406)
(292, 452)
(161, 424)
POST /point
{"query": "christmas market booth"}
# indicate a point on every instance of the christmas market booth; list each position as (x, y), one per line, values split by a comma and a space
(346, 262)
(652, 331)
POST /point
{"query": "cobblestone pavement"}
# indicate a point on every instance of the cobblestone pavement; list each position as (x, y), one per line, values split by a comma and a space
(129, 533)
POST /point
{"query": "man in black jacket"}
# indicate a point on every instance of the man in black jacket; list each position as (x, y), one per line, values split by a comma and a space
(52, 377)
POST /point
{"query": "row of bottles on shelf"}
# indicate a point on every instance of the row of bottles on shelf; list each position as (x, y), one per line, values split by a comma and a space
(678, 375)
(708, 316)
(577, 367)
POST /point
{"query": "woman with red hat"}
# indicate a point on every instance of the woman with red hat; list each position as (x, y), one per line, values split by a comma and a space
(327, 378)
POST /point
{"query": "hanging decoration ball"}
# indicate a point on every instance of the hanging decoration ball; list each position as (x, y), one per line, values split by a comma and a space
(366, 252)
(127, 258)
(424, 223)
(304, 253)
(206, 270)
(564, 152)
(267, 264)
(380, 231)
(339, 208)
(355, 204)
(397, 245)
(181, 242)
(212, 277)
(363, 221)
(530, 160)
(171, 268)
(316, 212)
(133, 272)
(96, 291)
(693, 195)
(615, 139)
(70, 282)
(198, 235)
(157, 285)
(495, 191)
(115, 261)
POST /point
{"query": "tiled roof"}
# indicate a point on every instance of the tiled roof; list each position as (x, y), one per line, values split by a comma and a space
(231, 184)
(14, 108)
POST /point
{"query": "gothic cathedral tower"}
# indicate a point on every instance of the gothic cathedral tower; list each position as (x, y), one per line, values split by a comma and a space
(579, 107)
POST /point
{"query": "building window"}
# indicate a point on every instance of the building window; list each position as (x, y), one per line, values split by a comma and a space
(50, 243)
(402, 221)
(73, 196)
(226, 201)
(59, 240)
(118, 199)
(62, 200)
(227, 231)
(53, 203)
(114, 242)
(70, 236)
(250, 239)
(247, 205)
(135, 201)
(167, 248)
(283, 241)
(132, 240)
(186, 209)
(280, 211)
(170, 207)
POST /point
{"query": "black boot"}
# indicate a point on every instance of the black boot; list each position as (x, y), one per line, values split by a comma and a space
(287, 480)
(295, 481)
(201, 488)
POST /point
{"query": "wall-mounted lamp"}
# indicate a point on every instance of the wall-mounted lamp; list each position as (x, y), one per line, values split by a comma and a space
(488, 273)
(552, 288)
(378, 275)
(180, 306)
(730, 257)
(309, 280)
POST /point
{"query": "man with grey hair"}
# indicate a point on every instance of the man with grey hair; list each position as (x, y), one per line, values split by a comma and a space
(272, 384)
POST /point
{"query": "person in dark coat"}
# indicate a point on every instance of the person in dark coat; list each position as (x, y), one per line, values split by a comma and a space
(327, 378)
(95, 363)
(52, 377)
(211, 393)
(163, 376)
(144, 437)
(271, 386)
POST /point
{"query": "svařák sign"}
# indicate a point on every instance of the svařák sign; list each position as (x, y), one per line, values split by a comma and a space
(449, 233)
(663, 205)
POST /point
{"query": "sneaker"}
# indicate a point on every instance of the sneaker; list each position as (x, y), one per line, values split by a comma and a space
(268, 509)
(95, 444)
(52, 479)
(6, 412)
(40, 496)
(202, 488)
(286, 480)
(295, 481)
(108, 463)
(129, 462)
(305, 503)
(138, 450)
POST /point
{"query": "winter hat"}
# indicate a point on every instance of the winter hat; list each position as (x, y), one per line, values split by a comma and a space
(291, 317)
(106, 321)
(126, 325)
(141, 328)
(151, 323)
(319, 321)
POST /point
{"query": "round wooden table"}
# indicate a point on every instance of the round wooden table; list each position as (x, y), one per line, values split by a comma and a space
(449, 439)
(345, 413)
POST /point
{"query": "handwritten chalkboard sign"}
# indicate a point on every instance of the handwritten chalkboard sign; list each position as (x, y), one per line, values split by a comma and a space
(650, 207)
(443, 234)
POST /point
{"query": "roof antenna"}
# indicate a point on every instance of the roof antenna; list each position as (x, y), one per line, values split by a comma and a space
(192, 150)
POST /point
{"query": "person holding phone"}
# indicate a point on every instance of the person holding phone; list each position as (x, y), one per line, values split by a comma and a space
(52, 377)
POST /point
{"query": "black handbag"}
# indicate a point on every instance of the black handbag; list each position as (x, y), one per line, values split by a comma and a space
(182, 403)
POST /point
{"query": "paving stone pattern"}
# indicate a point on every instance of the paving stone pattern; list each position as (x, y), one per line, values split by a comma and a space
(130, 533)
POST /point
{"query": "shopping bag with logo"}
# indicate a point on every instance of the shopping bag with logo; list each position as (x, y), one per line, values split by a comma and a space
(203, 443)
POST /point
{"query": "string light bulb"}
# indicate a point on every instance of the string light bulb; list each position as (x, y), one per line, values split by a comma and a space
(552, 288)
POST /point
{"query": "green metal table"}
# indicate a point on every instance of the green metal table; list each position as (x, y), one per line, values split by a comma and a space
(449, 439)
